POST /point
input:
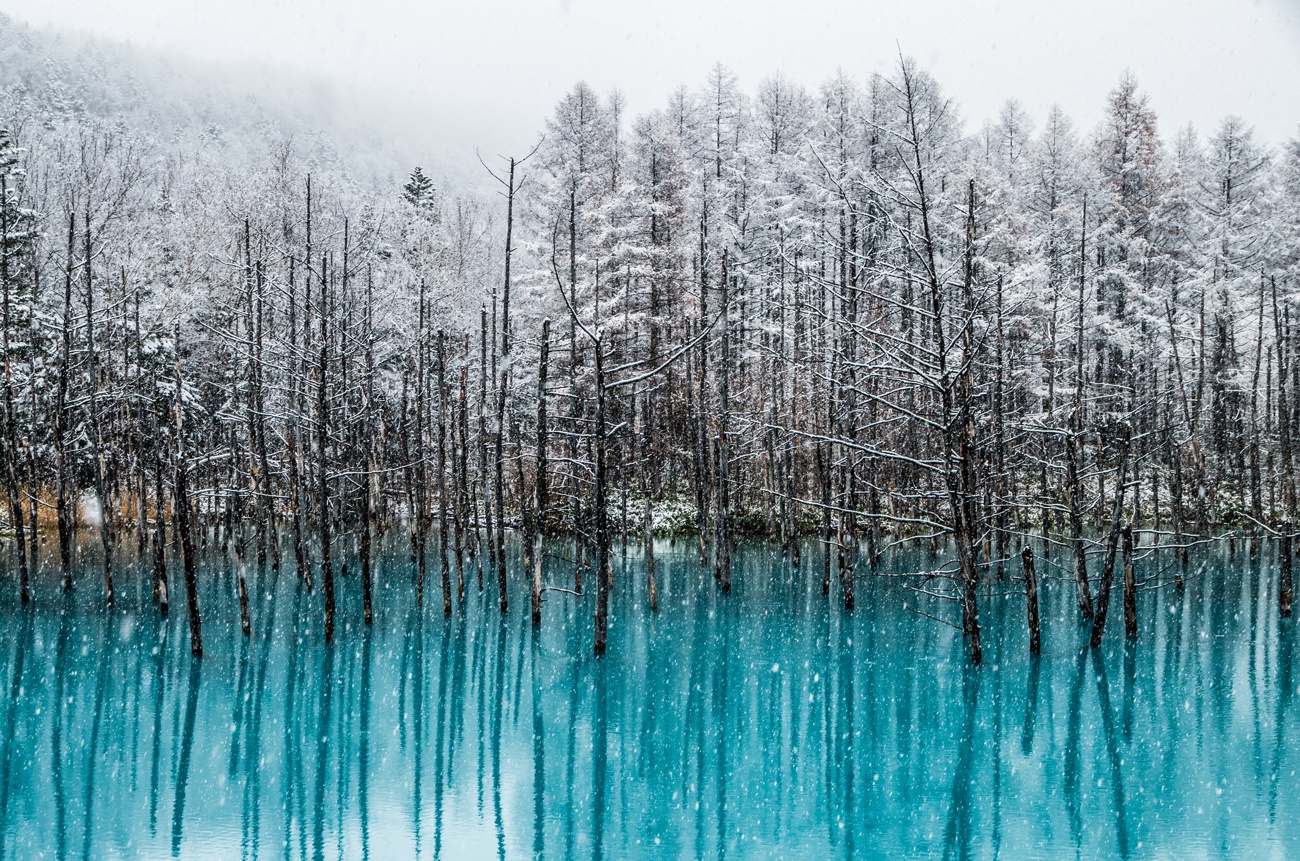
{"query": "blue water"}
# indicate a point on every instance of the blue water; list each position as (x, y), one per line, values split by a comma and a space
(761, 724)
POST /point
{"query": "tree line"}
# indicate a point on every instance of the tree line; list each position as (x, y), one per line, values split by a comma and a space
(833, 315)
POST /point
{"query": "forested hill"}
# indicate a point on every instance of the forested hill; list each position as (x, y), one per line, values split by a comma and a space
(240, 111)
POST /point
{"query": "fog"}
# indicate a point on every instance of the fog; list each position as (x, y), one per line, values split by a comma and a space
(486, 74)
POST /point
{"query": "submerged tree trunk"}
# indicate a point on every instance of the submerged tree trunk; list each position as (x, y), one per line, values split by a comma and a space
(600, 503)
(1130, 586)
(64, 493)
(1285, 597)
(1112, 539)
(1031, 600)
(182, 511)
(539, 482)
(9, 448)
(322, 466)
(443, 559)
(1073, 480)
(160, 592)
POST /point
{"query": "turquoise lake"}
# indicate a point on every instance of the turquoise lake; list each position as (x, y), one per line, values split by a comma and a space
(762, 724)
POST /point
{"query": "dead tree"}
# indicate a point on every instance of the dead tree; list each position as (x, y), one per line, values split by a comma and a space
(181, 496)
(539, 483)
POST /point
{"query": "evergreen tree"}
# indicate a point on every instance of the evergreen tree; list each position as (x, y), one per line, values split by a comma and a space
(419, 190)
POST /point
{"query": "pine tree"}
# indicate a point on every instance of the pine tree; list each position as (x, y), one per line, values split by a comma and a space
(419, 190)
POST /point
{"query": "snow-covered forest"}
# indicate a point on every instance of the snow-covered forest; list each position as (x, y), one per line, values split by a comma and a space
(839, 311)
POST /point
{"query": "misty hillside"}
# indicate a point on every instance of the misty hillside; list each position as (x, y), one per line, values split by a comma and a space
(241, 111)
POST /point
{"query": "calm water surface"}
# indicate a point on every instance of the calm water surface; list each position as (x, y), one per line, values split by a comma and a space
(763, 724)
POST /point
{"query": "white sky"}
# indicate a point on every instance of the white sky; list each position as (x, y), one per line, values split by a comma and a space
(487, 73)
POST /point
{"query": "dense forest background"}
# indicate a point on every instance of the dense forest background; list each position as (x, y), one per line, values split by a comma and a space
(843, 312)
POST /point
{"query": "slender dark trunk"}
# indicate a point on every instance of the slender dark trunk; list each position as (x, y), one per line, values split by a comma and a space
(182, 512)
(1112, 540)
(1031, 599)
(322, 452)
(97, 434)
(1285, 596)
(293, 453)
(443, 399)
(64, 492)
(601, 509)
(1130, 586)
(539, 483)
(10, 448)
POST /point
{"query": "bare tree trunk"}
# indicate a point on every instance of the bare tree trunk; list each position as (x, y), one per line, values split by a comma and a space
(1130, 586)
(63, 468)
(293, 451)
(1031, 599)
(601, 509)
(419, 531)
(483, 449)
(245, 623)
(1075, 488)
(462, 472)
(322, 466)
(364, 505)
(648, 538)
(722, 541)
(160, 592)
(539, 483)
(1112, 539)
(189, 554)
(1285, 596)
(442, 473)
(97, 434)
(10, 449)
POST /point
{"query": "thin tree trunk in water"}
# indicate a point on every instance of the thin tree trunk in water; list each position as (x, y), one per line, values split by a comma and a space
(1176, 508)
(1130, 586)
(419, 530)
(539, 483)
(1075, 488)
(294, 452)
(722, 541)
(443, 559)
(322, 470)
(601, 512)
(967, 491)
(97, 435)
(1031, 599)
(502, 393)
(268, 533)
(368, 454)
(1285, 596)
(189, 554)
(648, 536)
(10, 446)
(241, 569)
(63, 469)
(647, 490)
(462, 473)
(482, 451)
(823, 470)
(160, 594)
(1000, 543)
(500, 493)
(1284, 411)
(699, 452)
(1112, 540)
(1256, 491)
(363, 542)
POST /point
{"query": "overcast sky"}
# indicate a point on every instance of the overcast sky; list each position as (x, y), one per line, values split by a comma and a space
(487, 73)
